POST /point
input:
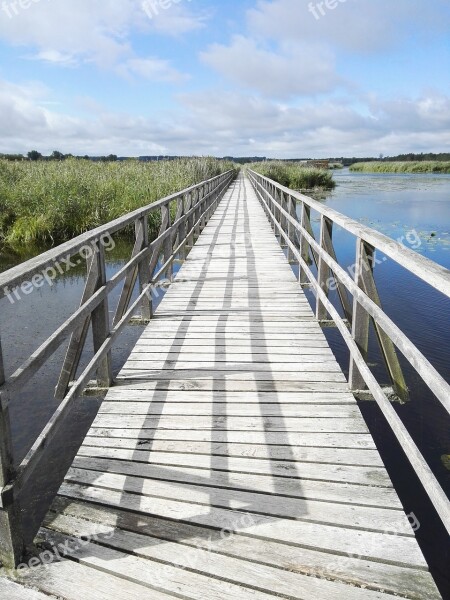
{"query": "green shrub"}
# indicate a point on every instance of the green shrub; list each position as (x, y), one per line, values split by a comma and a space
(296, 176)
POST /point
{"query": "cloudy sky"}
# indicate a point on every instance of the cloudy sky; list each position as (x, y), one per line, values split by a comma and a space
(278, 78)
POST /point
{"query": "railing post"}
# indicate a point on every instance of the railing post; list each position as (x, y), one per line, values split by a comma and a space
(11, 533)
(276, 195)
(100, 321)
(190, 221)
(291, 209)
(182, 228)
(283, 220)
(167, 244)
(78, 337)
(304, 245)
(204, 208)
(198, 212)
(323, 270)
(210, 201)
(141, 229)
(387, 347)
(360, 317)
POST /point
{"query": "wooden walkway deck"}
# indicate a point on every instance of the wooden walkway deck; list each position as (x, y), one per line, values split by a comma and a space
(231, 460)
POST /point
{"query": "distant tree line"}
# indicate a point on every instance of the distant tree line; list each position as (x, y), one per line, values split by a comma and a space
(34, 155)
(410, 157)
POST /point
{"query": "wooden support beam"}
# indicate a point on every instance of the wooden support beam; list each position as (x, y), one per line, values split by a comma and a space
(304, 245)
(11, 531)
(340, 288)
(323, 270)
(143, 270)
(100, 324)
(167, 244)
(78, 337)
(360, 317)
(130, 281)
(387, 347)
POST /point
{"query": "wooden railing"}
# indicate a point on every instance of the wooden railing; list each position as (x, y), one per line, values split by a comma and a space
(281, 204)
(182, 216)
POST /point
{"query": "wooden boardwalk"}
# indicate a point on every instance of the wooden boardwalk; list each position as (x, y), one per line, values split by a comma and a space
(231, 461)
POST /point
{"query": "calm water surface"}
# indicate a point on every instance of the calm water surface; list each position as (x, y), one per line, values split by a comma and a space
(415, 207)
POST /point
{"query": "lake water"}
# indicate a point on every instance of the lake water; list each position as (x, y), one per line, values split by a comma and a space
(413, 207)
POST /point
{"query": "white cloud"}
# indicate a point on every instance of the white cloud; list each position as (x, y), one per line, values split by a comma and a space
(229, 123)
(295, 69)
(174, 20)
(154, 69)
(353, 25)
(55, 57)
(97, 31)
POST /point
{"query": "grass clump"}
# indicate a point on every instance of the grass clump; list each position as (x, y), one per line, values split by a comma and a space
(296, 175)
(425, 166)
(51, 202)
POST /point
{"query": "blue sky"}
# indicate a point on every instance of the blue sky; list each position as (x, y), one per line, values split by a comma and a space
(278, 78)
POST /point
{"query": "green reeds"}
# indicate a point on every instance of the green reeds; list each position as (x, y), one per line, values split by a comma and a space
(426, 166)
(50, 202)
(296, 175)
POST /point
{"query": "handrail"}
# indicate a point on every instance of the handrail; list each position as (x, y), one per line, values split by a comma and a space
(273, 195)
(432, 273)
(192, 209)
(16, 275)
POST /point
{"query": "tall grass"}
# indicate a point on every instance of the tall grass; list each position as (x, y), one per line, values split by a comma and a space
(50, 202)
(426, 166)
(295, 175)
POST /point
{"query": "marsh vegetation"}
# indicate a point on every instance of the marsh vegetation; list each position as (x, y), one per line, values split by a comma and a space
(295, 175)
(425, 166)
(50, 202)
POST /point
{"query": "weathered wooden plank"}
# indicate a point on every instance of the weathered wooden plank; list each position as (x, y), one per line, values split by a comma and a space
(237, 351)
(123, 393)
(256, 337)
(291, 438)
(343, 456)
(281, 324)
(9, 590)
(304, 365)
(230, 423)
(70, 580)
(370, 476)
(329, 491)
(415, 584)
(177, 578)
(366, 518)
(385, 547)
(230, 410)
(319, 375)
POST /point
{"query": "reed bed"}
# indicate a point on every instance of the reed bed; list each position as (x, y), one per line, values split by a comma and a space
(50, 202)
(425, 166)
(295, 175)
